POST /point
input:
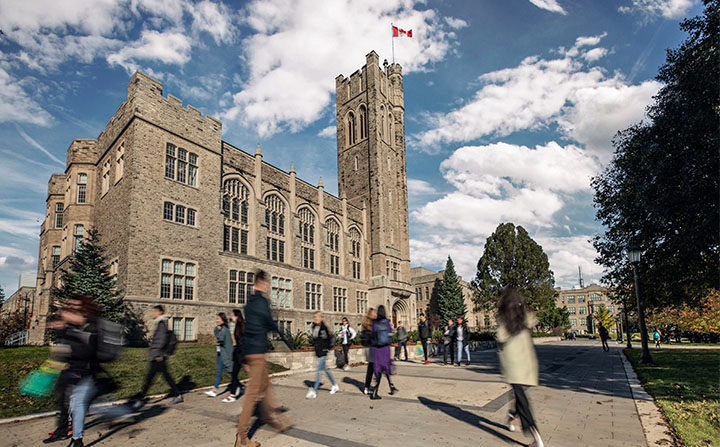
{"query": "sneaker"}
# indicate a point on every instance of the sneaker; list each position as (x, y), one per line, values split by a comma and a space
(334, 389)
(211, 393)
(229, 398)
(426, 362)
(346, 367)
(366, 391)
(311, 394)
(511, 422)
(177, 399)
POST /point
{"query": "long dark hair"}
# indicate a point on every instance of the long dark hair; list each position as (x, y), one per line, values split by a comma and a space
(512, 310)
(381, 314)
(239, 324)
(224, 319)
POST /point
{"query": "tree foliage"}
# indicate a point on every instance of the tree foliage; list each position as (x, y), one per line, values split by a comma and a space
(89, 274)
(513, 258)
(703, 319)
(551, 317)
(450, 301)
(660, 190)
(604, 317)
(12, 322)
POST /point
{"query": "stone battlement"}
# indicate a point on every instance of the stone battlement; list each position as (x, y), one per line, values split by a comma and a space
(82, 150)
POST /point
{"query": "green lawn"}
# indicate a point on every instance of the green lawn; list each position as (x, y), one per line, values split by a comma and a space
(686, 386)
(191, 366)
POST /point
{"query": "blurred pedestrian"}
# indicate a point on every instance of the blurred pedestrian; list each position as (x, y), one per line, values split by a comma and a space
(347, 335)
(382, 362)
(224, 349)
(449, 342)
(63, 427)
(463, 341)
(424, 333)
(258, 322)
(235, 389)
(518, 360)
(402, 341)
(160, 345)
(656, 337)
(604, 335)
(366, 340)
(323, 342)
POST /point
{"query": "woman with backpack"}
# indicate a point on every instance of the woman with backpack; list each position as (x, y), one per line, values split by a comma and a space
(518, 360)
(224, 352)
(382, 361)
(366, 340)
(323, 342)
(235, 389)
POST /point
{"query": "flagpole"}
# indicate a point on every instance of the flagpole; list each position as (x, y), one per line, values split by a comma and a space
(392, 33)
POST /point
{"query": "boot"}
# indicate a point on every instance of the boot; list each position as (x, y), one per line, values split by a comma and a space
(393, 390)
(60, 434)
(76, 443)
(283, 425)
(374, 395)
(245, 443)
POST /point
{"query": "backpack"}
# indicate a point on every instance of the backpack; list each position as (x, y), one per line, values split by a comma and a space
(110, 340)
(383, 334)
(365, 337)
(171, 343)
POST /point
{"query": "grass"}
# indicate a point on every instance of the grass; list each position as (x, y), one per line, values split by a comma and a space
(191, 366)
(686, 385)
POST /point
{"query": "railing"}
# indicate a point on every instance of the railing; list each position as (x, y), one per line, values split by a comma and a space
(18, 339)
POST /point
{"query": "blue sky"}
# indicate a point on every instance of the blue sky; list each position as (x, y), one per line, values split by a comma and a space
(511, 105)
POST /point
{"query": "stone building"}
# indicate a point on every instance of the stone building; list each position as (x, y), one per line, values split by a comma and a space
(424, 283)
(582, 303)
(187, 218)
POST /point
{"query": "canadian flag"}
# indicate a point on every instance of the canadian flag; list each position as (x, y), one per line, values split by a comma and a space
(399, 32)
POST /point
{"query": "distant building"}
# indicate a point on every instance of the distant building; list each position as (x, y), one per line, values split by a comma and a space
(23, 300)
(582, 303)
(424, 280)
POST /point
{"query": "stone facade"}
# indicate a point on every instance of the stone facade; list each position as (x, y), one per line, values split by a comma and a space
(187, 218)
(582, 303)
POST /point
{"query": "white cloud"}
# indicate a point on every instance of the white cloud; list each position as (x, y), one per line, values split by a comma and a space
(20, 222)
(96, 17)
(668, 9)
(17, 106)
(31, 141)
(549, 5)
(298, 48)
(540, 92)
(419, 187)
(455, 23)
(15, 260)
(328, 132)
(213, 18)
(167, 47)
(566, 254)
(595, 54)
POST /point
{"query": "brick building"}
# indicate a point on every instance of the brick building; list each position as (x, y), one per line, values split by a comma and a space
(582, 303)
(187, 218)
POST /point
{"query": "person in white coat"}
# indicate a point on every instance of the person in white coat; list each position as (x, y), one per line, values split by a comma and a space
(518, 360)
(346, 334)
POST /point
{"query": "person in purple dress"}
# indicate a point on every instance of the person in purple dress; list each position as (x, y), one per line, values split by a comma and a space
(382, 364)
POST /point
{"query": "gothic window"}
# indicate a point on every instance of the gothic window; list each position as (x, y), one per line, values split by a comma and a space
(363, 122)
(306, 231)
(119, 162)
(281, 292)
(355, 252)
(275, 221)
(59, 208)
(240, 286)
(333, 242)
(382, 122)
(235, 203)
(78, 233)
(82, 188)
(351, 129)
(177, 280)
(105, 185)
(181, 165)
(391, 137)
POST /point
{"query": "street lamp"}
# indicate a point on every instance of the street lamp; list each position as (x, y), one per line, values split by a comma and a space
(633, 253)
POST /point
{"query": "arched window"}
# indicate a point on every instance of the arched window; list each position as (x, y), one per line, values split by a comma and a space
(235, 204)
(306, 231)
(275, 221)
(355, 241)
(363, 122)
(382, 122)
(391, 135)
(351, 129)
(333, 243)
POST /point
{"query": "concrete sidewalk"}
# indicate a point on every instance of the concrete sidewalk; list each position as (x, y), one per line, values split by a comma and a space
(584, 400)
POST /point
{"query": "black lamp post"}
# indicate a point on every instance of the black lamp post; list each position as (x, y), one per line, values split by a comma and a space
(627, 328)
(634, 253)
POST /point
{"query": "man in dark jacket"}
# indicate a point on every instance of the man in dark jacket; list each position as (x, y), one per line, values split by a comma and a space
(402, 336)
(424, 333)
(449, 342)
(258, 322)
(158, 356)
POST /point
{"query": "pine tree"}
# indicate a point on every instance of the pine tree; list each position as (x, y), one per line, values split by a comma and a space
(89, 274)
(450, 298)
(604, 317)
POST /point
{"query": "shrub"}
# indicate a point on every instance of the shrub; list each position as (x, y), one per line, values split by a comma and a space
(543, 334)
(413, 336)
(437, 336)
(298, 340)
(482, 336)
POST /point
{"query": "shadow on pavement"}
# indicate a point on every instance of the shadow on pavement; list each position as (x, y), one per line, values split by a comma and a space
(356, 383)
(147, 413)
(186, 384)
(467, 417)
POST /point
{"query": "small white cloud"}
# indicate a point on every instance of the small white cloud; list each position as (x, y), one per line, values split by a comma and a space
(667, 9)
(168, 47)
(549, 5)
(455, 23)
(17, 106)
(215, 19)
(328, 132)
(595, 54)
(419, 187)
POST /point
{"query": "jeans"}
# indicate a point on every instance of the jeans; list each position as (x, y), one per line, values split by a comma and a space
(218, 370)
(237, 364)
(460, 351)
(345, 350)
(322, 366)
(397, 349)
(448, 349)
(159, 367)
(425, 347)
(80, 396)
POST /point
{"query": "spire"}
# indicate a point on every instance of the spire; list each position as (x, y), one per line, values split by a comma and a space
(292, 167)
(257, 150)
(320, 183)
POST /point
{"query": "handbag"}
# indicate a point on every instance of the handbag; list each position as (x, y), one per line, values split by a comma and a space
(41, 382)
(419, 350)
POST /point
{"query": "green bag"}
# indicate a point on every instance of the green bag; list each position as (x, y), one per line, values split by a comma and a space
(41, 382)
(419, 350)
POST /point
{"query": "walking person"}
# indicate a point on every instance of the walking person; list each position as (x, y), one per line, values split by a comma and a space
(235, 389)
(157, 354)
(656, 338)
(63, 427)
(366, 340)
(449, 342)
(424, 333)
(402, 341)
(604, 335)
(224, 350)
(323, 342)
(463, 341)
(382, 362)
(518, 360)
(258, 323)
(347, 335)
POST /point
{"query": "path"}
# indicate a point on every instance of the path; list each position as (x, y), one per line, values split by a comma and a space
(583, 400)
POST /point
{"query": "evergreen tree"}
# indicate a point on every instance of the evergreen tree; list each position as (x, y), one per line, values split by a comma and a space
(551, 317)
(604, 317)
(513, 258)
(450, 298)
(89, 274)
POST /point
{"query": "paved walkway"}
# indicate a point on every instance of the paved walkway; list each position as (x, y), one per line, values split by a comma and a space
(583, 400)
